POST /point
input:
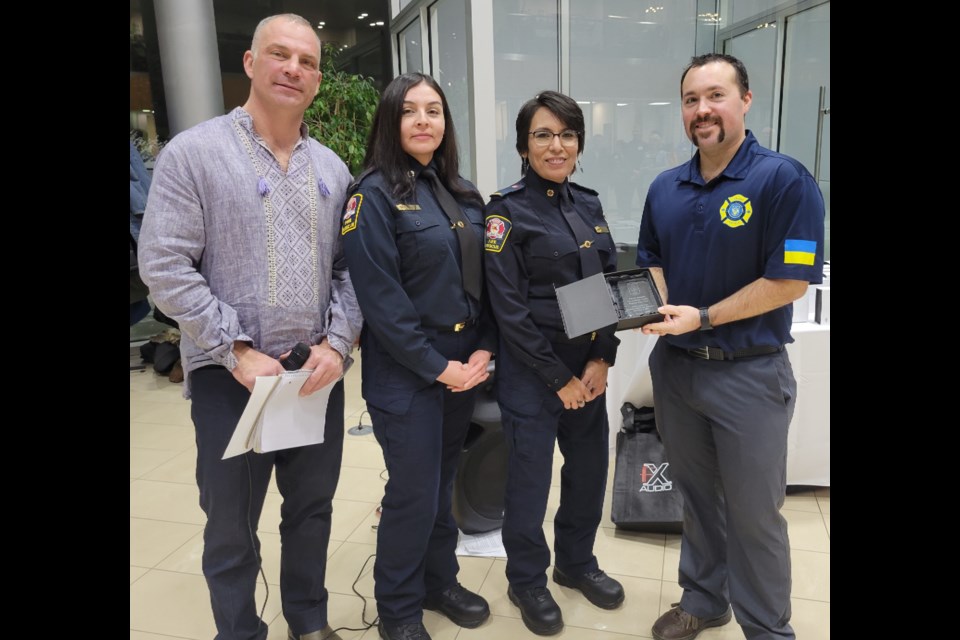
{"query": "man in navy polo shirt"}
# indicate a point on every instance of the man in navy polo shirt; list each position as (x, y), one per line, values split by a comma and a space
(732, 238)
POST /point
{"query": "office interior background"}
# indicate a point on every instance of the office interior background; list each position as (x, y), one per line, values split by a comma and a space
(621, 60)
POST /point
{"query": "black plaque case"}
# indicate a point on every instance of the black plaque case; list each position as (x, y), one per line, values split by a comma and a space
(628, 298)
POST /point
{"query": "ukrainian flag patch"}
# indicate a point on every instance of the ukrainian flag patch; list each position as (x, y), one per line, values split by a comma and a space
(799, 252)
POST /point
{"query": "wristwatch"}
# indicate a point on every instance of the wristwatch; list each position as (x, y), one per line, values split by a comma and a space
(705, 319)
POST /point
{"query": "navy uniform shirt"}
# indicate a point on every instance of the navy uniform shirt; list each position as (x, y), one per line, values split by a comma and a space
(404, 261)
(762, 217)
(529, 250)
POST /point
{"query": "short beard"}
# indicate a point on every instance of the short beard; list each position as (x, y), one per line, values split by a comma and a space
(696, 140)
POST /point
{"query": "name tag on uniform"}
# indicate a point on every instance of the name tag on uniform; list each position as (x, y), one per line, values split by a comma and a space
(408, 207)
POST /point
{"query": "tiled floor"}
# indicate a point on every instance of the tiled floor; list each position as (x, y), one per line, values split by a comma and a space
(168, 596)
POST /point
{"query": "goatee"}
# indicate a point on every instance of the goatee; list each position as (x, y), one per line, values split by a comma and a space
(696, 140)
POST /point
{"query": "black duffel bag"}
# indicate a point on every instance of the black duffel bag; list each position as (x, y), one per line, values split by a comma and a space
(644, 495)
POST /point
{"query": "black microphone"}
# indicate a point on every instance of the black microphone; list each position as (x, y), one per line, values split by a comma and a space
(298, 356)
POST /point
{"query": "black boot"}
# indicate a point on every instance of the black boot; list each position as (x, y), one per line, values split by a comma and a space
(409, 631)
(463, 607)
(538, 609)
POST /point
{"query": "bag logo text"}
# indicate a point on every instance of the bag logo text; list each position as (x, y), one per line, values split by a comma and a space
(654, 477)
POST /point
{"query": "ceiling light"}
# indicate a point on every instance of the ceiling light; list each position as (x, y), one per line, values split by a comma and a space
(657, 104)
(622, 104)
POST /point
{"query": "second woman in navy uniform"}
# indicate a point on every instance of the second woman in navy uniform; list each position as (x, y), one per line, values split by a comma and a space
(425, 344)
(544, 232)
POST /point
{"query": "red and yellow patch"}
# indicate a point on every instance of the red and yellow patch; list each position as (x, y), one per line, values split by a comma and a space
(351, 214)
(495, 235)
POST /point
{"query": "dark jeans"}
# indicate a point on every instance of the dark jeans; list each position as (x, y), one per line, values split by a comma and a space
(232, 492)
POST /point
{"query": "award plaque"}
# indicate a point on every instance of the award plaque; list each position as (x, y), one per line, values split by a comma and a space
(635, 297)
(626, 298)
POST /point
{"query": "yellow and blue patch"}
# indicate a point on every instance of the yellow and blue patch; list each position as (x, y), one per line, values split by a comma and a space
(799, 251)
(351, 214)
(736, 211)
(495, 235)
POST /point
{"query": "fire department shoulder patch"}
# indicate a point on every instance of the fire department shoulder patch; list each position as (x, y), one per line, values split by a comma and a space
(351, 214)
(495, 236)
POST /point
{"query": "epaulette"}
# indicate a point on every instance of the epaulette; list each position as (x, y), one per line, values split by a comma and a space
(585, 189)
(514, 188)
(356, 183)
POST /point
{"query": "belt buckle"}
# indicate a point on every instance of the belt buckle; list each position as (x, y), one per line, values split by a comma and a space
(460, 326)
(700, 352)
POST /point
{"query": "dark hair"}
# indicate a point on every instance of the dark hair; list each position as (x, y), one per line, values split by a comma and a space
(698, 61)
(563, 107)
(385, 150)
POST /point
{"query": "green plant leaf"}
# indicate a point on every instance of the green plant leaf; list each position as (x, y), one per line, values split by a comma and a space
(341, 115)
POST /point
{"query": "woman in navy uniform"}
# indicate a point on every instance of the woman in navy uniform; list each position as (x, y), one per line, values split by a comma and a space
(412, 230)
(545, 232)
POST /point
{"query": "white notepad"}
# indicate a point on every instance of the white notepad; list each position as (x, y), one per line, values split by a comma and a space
(276, 417)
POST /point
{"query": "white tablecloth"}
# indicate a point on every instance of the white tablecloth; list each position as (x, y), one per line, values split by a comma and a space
(808, 442)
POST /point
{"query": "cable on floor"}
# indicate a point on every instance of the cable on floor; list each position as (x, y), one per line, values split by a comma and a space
(363, 614)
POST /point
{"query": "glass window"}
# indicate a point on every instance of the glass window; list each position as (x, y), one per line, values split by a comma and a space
(739, 10)
(411, 48)
(526, 60)
(448, 24)
(757, 49)
(804, 127)
(625, 64)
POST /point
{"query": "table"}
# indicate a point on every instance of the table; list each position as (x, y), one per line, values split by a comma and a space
(808, 441)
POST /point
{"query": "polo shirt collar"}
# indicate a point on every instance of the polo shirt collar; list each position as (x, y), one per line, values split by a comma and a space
(737, 169)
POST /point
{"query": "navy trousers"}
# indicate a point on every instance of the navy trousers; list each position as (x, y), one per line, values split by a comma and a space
(232, 492)
(417, 536)
(724, 426)
(533, 419)
(421, 438)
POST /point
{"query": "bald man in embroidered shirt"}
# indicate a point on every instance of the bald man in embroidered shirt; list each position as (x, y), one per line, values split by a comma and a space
(241, 246)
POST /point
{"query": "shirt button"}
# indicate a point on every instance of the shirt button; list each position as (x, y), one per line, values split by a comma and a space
(549, 193)
(556, 381)
(556, 253)
(417, 223)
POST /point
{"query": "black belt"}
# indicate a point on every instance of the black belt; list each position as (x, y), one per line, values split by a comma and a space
(713, 353)
(460, 326)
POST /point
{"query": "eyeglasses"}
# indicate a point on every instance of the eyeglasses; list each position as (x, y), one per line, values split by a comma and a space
(544, 138)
